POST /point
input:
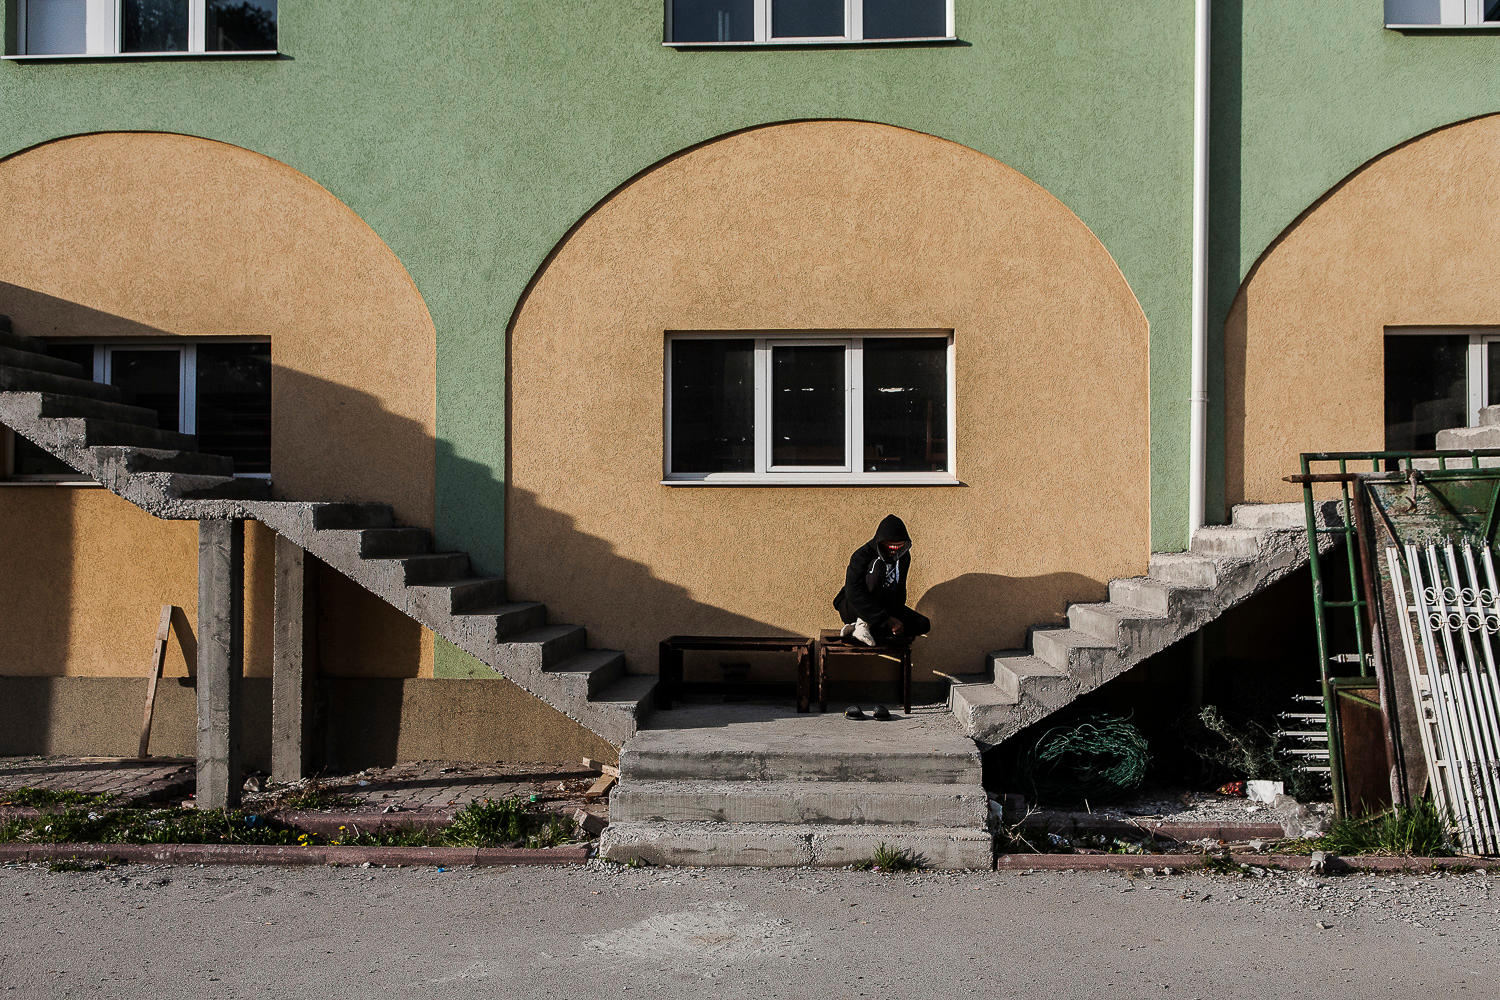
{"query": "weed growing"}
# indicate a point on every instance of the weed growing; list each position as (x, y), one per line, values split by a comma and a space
(314, 796)
(893, 859)
(1416, 831)
(507, 823)
(46, 798)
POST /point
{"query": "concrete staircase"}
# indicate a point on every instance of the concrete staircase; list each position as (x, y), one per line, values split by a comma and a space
(97, 432)
(1182, 592)
(758, 785)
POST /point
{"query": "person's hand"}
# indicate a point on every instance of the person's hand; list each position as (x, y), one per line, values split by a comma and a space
(897, 628)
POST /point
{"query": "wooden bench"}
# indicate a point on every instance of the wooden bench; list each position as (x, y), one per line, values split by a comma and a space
(831, 642)
(669, 667)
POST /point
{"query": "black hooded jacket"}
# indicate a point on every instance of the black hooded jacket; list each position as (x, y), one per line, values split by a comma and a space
(868, 592)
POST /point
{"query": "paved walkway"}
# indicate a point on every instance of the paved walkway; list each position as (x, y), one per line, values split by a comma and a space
(130, 782)
(661, 934)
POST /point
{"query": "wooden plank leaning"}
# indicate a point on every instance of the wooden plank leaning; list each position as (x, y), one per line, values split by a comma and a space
(158, 659)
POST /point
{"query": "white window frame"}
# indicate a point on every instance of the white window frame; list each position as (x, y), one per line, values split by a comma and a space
(851, 473)
(854, 30)
(1454, 14)
(187, 388)
(104, 27)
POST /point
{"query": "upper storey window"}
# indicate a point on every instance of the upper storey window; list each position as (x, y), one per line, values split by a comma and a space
(776, 22)
(145, 27)
(1441, 13)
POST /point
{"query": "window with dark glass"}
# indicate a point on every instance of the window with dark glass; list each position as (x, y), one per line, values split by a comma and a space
(802, 408)
(145, 27)
(713, 406)
(1426, 388)
(234, 404)
(218, 390)
(709, 22)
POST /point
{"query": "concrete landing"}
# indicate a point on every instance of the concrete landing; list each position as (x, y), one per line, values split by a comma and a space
(762, 785)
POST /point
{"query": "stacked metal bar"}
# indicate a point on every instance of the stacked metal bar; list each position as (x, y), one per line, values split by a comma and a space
(1447, 595)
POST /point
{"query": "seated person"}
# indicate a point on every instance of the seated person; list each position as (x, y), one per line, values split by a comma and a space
(872, 603)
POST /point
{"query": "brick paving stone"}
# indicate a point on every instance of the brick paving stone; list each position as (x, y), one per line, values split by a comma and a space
(131, 782)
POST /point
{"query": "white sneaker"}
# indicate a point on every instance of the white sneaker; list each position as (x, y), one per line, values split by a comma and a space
(847, 630)
(862, 634)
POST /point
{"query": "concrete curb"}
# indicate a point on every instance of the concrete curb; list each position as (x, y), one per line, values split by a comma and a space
(1184, 862)
(253, 854)
(327, 823)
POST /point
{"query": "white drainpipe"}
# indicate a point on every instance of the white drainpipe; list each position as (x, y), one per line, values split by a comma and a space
(1198, 400)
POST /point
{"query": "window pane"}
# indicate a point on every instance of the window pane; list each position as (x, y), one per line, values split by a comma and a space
(154, 26)
(906, 405)
(26, 458)
(151, 378)
(808, 405)
(713, 20)
(906, 18)
(56, 27)
(1414, 12)
(1492, 10)
(1426, 389)
(1492, 360)
(234, 403)
(240, 26)
(713, 406)
(807, 18)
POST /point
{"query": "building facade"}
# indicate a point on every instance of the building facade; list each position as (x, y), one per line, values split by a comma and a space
(656, 307)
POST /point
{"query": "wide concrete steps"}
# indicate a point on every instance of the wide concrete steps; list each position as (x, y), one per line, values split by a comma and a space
(764, 786)
(95, 430)
(1182, 592)
(774, 845)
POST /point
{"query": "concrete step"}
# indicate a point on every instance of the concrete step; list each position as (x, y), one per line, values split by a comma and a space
(1226, 542)
(1184, 569)
(672, 755)
(631, 693)
(456, 597)
(1113, 624)
(29, 380)
(1061, 646)
(217, 488)
(14, 357)
(1489, 416)
(1468, 438)
(541, 649)
(10, 338)
(800, 802)
(1150, 595)
(775, 845)
(386, 543)
(1020, 675)
(54, 405)
(326, 516)
(1273, 516)
(500, 622)
(982, 708)
(590, 671)
(133, 460)
(421, 570)
(85, 432)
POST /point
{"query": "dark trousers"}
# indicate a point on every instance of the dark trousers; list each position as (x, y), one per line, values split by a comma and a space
(913, 623)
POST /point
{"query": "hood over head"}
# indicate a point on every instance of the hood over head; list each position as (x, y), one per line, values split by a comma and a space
(892, 529)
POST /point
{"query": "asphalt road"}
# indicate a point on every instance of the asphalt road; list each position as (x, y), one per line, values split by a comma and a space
(604, 931)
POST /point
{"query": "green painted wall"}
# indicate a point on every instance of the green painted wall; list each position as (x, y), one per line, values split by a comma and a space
(471, 134)
(1304, 94)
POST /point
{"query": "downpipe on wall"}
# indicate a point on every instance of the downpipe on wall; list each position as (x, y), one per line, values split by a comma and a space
(1198, 395)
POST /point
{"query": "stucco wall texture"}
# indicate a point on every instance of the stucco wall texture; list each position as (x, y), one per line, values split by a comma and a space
(149, 235)
(829, 226)
(1403, 242)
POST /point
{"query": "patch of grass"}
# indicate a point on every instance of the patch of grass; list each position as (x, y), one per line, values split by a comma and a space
(1415, 831)
(893, 859)
(507, 823)
(46, 798)
(1221, 864)
(314, 796)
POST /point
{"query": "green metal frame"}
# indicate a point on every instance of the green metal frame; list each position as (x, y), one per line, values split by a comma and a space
(1368, 465)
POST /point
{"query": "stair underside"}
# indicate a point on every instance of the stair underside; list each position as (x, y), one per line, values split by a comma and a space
(1182, 593)
(97, 432)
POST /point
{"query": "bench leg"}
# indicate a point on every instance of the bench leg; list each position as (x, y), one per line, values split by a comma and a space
(906, 679)
(821, 653)
(804, 681)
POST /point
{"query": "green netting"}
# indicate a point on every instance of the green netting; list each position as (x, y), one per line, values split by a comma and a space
(1098, 759)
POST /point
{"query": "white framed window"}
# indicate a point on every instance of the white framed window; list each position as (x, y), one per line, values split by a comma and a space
(217, 388)
(792, 22)
(1441, 13)
(71, 28)
(809, 408)
(1436, 378)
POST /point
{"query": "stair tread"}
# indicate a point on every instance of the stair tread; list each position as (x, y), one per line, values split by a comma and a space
(629, 690)
(1070, 637)
(1123, 612)
(466, 581)
(545, 633)
(498, 610)
(586, 662)
(1022, 663)
(984, 694)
